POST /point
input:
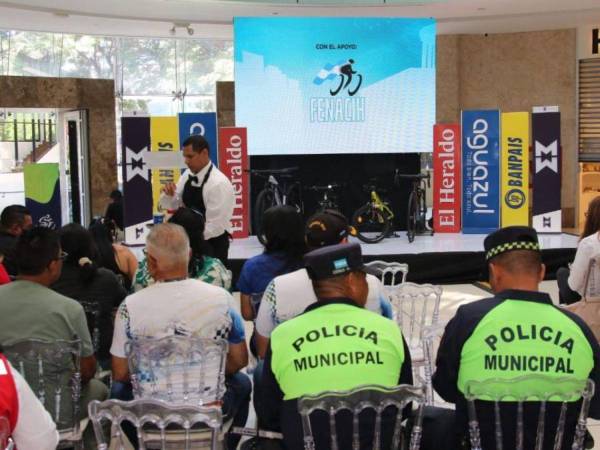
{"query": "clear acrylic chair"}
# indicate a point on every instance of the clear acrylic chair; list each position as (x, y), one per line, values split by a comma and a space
(390, 273)
(52, 369)
(92, 315)
(531, 398)
(431, 336)
(416, 306)
(6, 442)
(357, 401)
(178, 369)
(591, 288)
(158, 425)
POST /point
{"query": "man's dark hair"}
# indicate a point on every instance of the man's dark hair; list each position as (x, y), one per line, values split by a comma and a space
(519, 261)
(197, 142)
(35, 250)
(116, 195)
(13, 215)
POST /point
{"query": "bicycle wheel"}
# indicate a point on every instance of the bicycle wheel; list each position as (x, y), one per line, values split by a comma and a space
(264, 201)
(412, 215)
(371, 224)
(422, 213)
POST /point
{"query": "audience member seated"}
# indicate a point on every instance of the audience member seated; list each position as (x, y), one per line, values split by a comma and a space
(31, 426)
(114, 257)
(114, 210)
(571, 282)
(517, 332)
(178, 305)
(29, 309)
(201, 267)
(283, 228)
(335, 344)
(81, 279)
(13, 221)
(288, 295)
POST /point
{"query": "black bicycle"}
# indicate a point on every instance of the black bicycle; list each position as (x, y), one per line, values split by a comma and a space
(328, 196)
(373, 220)
(280, 188)
(416, 223)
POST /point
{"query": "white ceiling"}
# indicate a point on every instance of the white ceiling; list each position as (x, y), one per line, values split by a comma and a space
(212, 18)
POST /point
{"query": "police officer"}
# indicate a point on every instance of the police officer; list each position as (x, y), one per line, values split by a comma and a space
(515, 333)
(335, 344)
(207, 190)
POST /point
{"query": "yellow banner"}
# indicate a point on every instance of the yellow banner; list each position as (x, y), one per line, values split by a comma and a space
(164, 137)
(514, 169)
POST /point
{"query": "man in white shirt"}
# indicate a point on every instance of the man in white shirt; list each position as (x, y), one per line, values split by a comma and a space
(31, 427)
(206, 189)
(178, 305)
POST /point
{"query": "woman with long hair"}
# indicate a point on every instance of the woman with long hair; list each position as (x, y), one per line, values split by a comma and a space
(572, 282)
(201, 267)
(114, 257)
(285, 245)
(82, 280)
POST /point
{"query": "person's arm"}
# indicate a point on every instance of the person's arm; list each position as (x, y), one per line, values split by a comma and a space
(265, 320)
(445, 378)
(34, 428)
(120, 369)
(271, 395)
(406, 374)
(219, 201)
(246, 307)
(237, 356)
(580, 267)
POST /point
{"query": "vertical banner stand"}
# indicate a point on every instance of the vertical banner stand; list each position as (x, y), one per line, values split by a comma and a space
(547, 215)
(446, 178)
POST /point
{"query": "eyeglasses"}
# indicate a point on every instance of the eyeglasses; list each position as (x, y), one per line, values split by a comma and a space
(62, 256)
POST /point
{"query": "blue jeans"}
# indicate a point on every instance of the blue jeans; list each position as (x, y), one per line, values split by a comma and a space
(236, 402)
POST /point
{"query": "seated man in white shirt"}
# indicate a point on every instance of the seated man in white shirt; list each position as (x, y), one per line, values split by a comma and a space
(287, 296)
(31, 427)
(178, 305)
(206, 189)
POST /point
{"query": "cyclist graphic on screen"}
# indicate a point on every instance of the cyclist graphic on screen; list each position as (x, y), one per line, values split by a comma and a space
(346, 73)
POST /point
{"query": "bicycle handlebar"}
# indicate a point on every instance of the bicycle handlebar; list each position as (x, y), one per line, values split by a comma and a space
(328, 187)
(284, 171)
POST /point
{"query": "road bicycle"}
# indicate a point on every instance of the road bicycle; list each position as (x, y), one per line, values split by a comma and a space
(280, 188)
(373, 220)
(328, 196)
(416, 214)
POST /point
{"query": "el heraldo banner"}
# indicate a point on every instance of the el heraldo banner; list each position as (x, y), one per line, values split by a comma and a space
(446, 178)
(233, 159)
(164, 137)
(547, 216)
(514, 168)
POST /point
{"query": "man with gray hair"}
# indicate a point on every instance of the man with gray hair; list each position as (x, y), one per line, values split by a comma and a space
(178, 305)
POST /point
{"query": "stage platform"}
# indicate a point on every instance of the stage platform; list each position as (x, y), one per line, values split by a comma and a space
(442, 258)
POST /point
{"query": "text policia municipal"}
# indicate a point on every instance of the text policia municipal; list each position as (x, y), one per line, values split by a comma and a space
(339, 358)
(528, 363)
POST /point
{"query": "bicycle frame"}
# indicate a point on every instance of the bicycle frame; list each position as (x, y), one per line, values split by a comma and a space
(380, 204)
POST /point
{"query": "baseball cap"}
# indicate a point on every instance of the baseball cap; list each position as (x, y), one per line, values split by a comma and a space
(334, 260)
(327, 227)
(510, 238)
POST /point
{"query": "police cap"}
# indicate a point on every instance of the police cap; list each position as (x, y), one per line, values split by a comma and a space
(335, 260)
(510, 238)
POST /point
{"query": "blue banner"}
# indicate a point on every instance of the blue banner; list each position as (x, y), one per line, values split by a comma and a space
(204, 124)
(481, 171)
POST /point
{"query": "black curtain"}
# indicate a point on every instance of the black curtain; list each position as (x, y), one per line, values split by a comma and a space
(353, 171)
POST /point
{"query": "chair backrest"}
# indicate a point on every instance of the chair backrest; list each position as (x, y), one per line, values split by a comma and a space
(92, 314)
(52, 369)
(390, 273)
(431, 336)
(356, 401)
(156, 422)
(529, 391)
(592, 278)
(178, 369)
(416, 306)
(6, 443)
